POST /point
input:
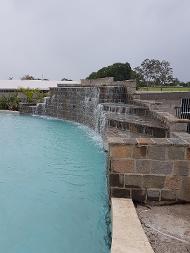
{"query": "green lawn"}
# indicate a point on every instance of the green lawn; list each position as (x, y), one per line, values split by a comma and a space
(164, 89)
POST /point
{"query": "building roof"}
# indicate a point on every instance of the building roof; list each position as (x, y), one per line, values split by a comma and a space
(40, 84)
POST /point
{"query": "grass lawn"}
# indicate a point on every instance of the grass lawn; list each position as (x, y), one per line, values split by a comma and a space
(164, 89)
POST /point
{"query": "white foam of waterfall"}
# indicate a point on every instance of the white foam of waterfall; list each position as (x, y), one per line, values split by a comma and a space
(90, 104)
(33, 109)
(100, 119)
(40, 108)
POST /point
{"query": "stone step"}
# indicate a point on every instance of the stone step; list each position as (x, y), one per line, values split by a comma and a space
(136, 124)
(121, 108)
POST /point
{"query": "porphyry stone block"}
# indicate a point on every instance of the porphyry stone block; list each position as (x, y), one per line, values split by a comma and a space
(145, 141)
(153, 195)
(138, 195)
(161, 141)
(133, 181)
(140, 152)
(153, 181)
(178, 127)
(116, 180)
(123, 166)
(168, 195)
(120, 193)
(184, 192)
(121, 151)
(177, 142)
(188, 153)
(143, 166)
(176, 153)
(182, 168)
(162, 167)
(172, 182)
(157, 152)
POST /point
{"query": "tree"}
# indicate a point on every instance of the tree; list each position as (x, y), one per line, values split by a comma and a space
(119, 71)
(154, 72)
(163, 73)
(10, 102)
(138, 77)
(65, 79)
(13, 102)
(27, 77)
(32, 95)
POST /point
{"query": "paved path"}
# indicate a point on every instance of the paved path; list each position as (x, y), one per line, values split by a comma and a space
(128, 234)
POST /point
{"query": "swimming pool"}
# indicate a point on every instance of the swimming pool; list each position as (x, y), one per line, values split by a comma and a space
(53, 187)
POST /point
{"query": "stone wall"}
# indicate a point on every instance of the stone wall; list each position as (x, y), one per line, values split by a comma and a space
(166, 101)
(26, 108)
(155, 110)
(150, 169)
(74, 103)
(153, 168)
(82, 104)
(163, 95)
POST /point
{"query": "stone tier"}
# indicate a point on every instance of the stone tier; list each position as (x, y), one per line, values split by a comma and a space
(150, 169)
(137, 124)
(156, 112)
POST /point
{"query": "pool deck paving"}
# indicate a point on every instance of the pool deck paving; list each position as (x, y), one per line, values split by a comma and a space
(128, 235)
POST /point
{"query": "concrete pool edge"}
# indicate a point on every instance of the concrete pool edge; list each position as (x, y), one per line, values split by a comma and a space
(127, 233)
(10, 112)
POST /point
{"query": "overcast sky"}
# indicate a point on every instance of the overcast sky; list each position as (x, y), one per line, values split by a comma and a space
(72, 38)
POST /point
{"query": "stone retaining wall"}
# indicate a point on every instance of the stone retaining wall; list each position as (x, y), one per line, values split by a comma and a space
(150, 169)
(167, 119)
(145, 169)
(81, 104)
(163, 95)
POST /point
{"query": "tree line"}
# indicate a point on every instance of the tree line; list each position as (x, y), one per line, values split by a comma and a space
(151, 72)
(30, 77)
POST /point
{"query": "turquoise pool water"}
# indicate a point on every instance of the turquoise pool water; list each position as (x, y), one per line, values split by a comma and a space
(53, 190)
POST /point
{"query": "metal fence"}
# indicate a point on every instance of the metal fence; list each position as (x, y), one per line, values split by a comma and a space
(183, 112)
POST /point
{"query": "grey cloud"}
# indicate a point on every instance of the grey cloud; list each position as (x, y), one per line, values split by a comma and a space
(73, 38)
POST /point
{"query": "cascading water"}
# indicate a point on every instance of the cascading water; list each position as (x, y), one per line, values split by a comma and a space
(90, 104)
(82, 105)
(40, 108)
(100, 119)
(33, 109)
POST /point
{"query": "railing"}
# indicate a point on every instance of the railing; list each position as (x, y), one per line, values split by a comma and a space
(183, 112)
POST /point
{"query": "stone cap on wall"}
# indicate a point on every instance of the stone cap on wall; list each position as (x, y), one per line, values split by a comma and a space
(149, 141)
(127, 232)
(97, 82)
(130, 85)
(109, 81)
(162, 95)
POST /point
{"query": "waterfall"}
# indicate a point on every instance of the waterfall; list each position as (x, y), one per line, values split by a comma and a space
(89, 105)
(33, 109)
(81, 105)
(100, 119)
(41, 108)
(94, 111)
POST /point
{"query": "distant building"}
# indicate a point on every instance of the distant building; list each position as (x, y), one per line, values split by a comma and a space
(9, 87)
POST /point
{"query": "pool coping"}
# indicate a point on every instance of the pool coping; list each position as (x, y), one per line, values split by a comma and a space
(10, 112)
(127, 233)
